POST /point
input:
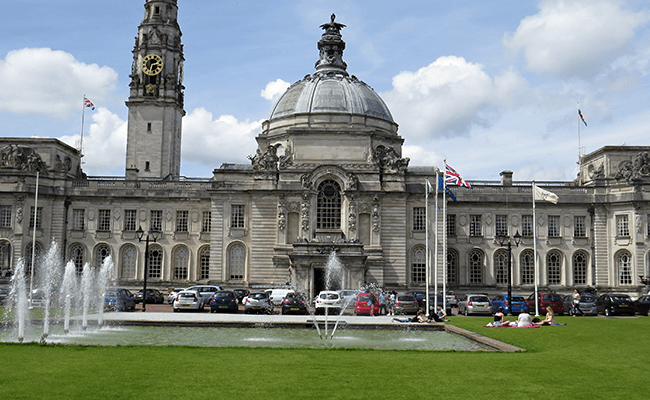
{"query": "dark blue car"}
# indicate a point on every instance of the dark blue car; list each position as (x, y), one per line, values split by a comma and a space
(119, 299)
(518, 304)
(225, 300)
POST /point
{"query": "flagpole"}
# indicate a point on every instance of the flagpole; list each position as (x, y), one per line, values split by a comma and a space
(444, 240)
(427, 185)
(535, 253)
(436, 235)
(31, 279)
(83, 114)
(579, 146)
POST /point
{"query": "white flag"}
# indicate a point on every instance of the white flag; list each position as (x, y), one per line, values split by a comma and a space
(541, 194)
(429, 187)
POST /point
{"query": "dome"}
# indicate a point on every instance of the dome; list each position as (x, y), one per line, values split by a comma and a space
(330, 90)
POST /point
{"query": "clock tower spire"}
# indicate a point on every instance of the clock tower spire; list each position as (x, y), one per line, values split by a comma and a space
(153, 145)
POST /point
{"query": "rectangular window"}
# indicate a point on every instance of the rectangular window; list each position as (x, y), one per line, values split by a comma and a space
(237, 216)
(130, 217)
(579, 227)
(501, 225)
(451, 224)
(419, 219)
(206, 224)
(156, 220)
(181, 220)
(622, 226)
(527, 225)
(553, 226)
(39, 219)
(104, 221)
(5, 216)
(475, 228)
(78, 219)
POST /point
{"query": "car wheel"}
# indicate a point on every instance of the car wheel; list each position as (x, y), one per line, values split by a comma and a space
(175, 309)
(607, 312)
(466, 313)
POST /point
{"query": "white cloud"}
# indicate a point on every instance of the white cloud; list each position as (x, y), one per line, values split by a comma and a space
(575, 37)
(448, 96)
(211, 142)
(274, 90)
(44, 81)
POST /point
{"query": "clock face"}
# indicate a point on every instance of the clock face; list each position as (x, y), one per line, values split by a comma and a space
(152, 64)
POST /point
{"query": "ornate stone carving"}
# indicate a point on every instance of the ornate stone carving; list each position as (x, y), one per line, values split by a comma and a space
(636, 169)
(388, 160)
(598, 172)
(267, 161)
(22, 158)
(304, 212)
(375, 214)
(286, 159)
(282, 213)
(352, 215)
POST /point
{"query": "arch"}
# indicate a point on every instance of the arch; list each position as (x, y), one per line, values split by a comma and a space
(452, 266)
(418, 264)
(128, 261)
(236, 261)
(204, 263)
(328, 205)
(476, 263)
(180, 261)
(102, 251)
(5, 259)
(623, 263)
(554, 267)
(501, 267)
(580, 261)
(527, 267)
(155, 262)
(78, 257)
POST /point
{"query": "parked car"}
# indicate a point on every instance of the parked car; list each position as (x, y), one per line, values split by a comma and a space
(258, 302)
(587, 305)
(119, 299)
(328, 300)
(206, 291)
(642, 305)
(405, 304)
(475, 304)
(452, 299)
(518, 304)
(172, 295)
(277, 295)
(349, 296)
(420, 296)
(361, 306)
(553, 300)
(37, 298)
(153, 296)
(225, 300)
(294, 303)
(432, 305)
(188, 300)
(4, 293)
(615, 304)
(241, 294)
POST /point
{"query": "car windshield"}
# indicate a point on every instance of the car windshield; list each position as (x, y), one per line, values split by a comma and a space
(224, 295)
(405, 298)
(480, 299)
(258, 296)
(112, 292)
(621, 297)
(518, 298)
(329, 296)
(186, 294)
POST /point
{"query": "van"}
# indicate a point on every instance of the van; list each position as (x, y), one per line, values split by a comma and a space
(277, 295)
(206, 291)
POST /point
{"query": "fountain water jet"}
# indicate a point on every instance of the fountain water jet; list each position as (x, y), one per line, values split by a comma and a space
(102, 284)
(18, 296)
(49, 279)
(87, 292)
(68, 291)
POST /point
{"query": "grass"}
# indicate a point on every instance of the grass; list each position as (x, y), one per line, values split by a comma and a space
(589, 358)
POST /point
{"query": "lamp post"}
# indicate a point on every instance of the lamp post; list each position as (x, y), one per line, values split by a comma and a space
(153, 234)
(503, 239)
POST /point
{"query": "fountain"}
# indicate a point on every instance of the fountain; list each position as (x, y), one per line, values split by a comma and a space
(49, 279)
(18, 299)
(102, 284)
(87, 288)
(68, 291)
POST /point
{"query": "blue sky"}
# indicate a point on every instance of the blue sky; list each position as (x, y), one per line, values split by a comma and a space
(488, 85)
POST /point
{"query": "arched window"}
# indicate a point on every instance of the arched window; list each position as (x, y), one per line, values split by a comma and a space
(204, 263)
(475, 275)
(418, 264)
(77, 257)
(580, 268)
(501, 267)
(5, 259)
(527, 263)
(181, 260)
(624, 266)
(128, 260)
(28, 258)
(554, 267)
(328, 211)
(452, 266)
(155, 262)
(236, 261)
(101, 252)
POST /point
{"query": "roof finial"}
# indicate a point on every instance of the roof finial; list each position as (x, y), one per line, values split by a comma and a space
(331, 48)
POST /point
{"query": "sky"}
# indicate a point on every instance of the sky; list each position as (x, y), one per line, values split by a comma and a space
(487, 85)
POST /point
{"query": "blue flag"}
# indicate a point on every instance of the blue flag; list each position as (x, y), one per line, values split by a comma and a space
(441, 185)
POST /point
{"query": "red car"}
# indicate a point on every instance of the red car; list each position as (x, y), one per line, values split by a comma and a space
(546, 299)
(361, 306)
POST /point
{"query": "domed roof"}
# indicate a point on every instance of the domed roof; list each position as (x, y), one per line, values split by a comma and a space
(330, 89)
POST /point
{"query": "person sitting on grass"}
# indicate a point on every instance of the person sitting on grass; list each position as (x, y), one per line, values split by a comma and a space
(550, 317)
(499, 318)
(440, 316)
(524, 319)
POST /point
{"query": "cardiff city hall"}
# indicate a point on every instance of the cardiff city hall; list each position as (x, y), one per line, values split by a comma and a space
(327, 176)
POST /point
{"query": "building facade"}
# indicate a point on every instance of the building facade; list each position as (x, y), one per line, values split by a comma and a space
(327, 176)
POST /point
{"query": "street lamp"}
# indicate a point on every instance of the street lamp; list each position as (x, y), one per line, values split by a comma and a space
(503, 239)
(153, 234)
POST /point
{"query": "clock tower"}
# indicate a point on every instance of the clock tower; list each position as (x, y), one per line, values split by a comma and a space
(153, 145)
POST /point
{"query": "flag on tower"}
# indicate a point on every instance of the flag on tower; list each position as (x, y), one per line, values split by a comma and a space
(88, 103)
(453, 178)
(541, 194)
(441, 186)
(581, 117)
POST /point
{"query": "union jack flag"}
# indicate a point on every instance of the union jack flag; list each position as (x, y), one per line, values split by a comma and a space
(453, 178)
(88, 103)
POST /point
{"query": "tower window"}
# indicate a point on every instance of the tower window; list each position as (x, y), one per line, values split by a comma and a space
(148, 126)
(146, 165)
(156, 10)
(329, 205)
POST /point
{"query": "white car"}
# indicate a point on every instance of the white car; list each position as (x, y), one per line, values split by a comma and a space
(206, 291)
(188, 300)
(328, 300)
(277, 295)
(349, 296)
(172, 295)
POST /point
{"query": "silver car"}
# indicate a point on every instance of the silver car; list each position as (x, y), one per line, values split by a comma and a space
(406, 304)
(206, 291)
(258, 303)
(475, 304)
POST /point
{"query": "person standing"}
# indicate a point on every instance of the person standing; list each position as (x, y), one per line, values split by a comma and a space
(576, 303)
(382, 303)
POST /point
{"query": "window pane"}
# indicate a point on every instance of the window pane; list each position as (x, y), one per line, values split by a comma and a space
(501, 225)
(527, 225)
(419, 219)
(622, 226)
(5, 216)
(206, 225)
(130, 220)
(475, 228)
(104, 223)
(553, 226)
(418, 265)
(181, 220)
(205, 263)
(451, 225)
(328, 214)
(156, 220)
(237, 216)
(579, 228)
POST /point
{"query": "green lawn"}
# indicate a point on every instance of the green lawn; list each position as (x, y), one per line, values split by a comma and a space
(589, 358)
